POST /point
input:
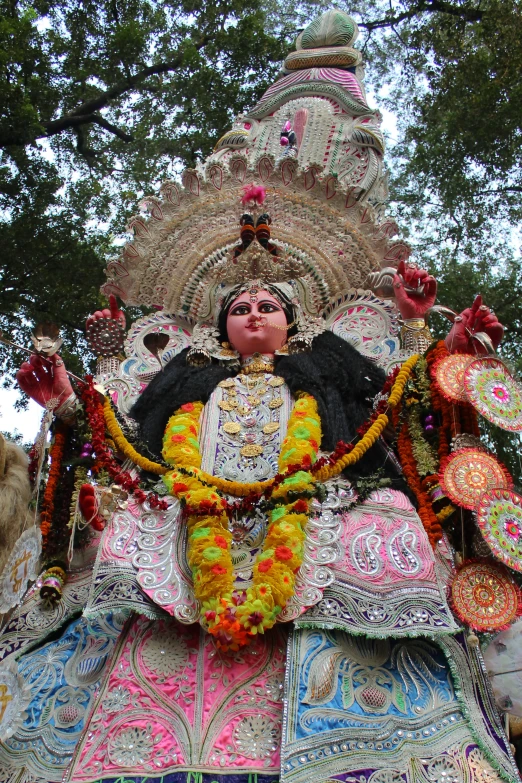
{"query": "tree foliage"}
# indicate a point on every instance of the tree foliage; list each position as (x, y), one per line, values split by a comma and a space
(99, 102)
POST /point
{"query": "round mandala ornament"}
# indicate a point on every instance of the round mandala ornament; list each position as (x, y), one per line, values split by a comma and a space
(499, 517)
(105, 337)
(15, 696)
(20, 569)
(466, 474)
(484, 596)
(494, 392)
(448, 372)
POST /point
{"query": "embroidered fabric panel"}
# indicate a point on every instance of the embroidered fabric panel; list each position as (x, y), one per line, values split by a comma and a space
(141, 565)
(195, 777)
(386, 583)
(61, 677)
(477, 700)
(33, 621)
(173, 703)
(387, 711)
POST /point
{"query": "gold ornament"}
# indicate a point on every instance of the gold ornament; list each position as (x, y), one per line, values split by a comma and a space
(251, 450)
(276, 402)
(232, 427)
(257, 366)
(271, 427)
(225, 405)
(276, 381)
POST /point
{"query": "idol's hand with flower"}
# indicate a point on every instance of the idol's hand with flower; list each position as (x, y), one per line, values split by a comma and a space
(45, 380)
(112, 311)
(476, 330)
(415, 291)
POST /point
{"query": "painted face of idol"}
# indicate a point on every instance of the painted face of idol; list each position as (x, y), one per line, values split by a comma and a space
(253, 321)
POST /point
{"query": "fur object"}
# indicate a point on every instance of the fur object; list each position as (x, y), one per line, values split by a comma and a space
(15, 494)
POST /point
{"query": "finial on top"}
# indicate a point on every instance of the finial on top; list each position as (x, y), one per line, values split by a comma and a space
(333, 28)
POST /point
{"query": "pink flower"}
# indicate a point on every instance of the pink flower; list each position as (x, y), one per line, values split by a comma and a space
(253, 194)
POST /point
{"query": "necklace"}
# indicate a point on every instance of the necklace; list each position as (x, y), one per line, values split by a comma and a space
(325, 469)
(256, 364)
(248, 399)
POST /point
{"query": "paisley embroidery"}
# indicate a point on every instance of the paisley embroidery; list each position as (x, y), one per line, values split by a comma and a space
(386, 582)
(386, 711)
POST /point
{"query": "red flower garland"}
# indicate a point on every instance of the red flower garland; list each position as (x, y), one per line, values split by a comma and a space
(103, 457)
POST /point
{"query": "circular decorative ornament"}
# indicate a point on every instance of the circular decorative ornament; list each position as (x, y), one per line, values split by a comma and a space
(499, 517)
(466, 474)
(20, 569)
(14, 698)
(105, 337)
(449, 375)
(484, 596)
(494, 392)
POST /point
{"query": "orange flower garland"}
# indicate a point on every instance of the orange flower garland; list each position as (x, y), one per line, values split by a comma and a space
(409, 467)
(454, 420)
(56, 456)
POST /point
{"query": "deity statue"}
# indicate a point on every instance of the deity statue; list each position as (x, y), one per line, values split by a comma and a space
(251, 582)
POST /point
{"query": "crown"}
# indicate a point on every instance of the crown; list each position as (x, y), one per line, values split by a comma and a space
(257, 257)
(257, 263)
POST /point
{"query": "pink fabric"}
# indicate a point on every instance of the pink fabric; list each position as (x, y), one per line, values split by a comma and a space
(385, 542)
(173, 702)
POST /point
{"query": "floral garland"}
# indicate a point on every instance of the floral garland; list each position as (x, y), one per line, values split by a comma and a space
(102, 454)
(409, 467)
(123, 445)
(421, 455)
(235, 616)
(56, 453)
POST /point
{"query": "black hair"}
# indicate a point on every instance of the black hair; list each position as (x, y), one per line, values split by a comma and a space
(342, 381)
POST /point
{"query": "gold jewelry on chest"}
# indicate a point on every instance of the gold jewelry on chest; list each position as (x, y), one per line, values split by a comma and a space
(242, 396)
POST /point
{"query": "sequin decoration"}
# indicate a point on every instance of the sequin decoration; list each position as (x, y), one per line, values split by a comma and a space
(449, 374)
(494, 392)
(484, 596)
(466, 474)
(499, 517)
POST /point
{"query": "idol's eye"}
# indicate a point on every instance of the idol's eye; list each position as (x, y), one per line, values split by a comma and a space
(242, 309)
(268, 307)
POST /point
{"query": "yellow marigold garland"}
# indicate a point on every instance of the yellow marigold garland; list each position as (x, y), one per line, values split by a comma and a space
(123, 445)
(235, 616)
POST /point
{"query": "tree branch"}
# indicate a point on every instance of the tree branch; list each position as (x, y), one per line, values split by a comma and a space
(425, 6)
(86, 112)
(74, 121)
